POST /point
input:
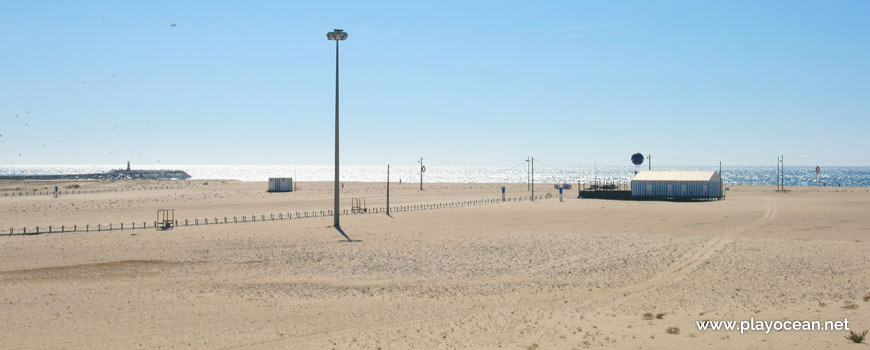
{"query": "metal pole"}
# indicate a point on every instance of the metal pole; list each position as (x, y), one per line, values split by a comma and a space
(528, 174)
(533, 179)
(649, 162)
(421, 173)
(335, 205)
(388, 189)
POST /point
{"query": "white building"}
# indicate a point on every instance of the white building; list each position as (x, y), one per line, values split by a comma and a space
(677, 184)
(280, 184)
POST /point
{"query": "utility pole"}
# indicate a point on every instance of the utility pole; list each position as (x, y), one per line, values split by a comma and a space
(388, 189)
(422, 169)
(721, 182)
(533, 179)
(782, 173)
(528, 174)
(649, 162)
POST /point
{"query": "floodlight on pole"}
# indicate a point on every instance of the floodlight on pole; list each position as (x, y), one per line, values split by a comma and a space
(337, 35)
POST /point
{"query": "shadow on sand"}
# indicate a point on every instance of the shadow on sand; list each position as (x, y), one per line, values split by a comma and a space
(347, 239)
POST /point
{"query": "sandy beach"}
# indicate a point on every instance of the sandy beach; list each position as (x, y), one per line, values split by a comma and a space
(519, 275)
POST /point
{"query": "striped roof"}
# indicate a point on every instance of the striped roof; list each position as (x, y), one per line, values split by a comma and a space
(675, 175)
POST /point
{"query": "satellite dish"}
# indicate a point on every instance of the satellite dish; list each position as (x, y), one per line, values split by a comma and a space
(637, 159)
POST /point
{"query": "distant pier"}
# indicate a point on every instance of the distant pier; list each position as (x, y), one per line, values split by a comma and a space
(118, 174)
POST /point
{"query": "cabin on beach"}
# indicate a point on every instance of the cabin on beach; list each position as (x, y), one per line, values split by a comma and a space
(677, 184)
(280, 184)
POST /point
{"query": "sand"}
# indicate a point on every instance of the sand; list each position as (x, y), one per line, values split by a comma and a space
(520, 275)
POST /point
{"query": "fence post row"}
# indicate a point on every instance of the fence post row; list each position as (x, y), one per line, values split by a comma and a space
(281, 216)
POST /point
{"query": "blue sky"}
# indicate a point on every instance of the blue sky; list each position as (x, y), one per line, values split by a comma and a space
(253, 82)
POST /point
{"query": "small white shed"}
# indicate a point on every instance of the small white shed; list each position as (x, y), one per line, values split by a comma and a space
(677, 184)
(280, 184)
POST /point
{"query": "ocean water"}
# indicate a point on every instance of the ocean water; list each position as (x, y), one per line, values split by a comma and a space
(742, 175)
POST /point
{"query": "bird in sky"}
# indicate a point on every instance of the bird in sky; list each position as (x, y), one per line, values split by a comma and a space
(173, 25)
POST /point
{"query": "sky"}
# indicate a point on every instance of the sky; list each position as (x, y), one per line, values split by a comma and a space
(232, 82)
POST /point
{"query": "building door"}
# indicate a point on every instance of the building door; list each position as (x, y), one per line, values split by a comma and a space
(649, 190)
(670, 189)
(683, 190)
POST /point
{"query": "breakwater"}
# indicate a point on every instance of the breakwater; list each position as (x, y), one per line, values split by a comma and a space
(118, 174)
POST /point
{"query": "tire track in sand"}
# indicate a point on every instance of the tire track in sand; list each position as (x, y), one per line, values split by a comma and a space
(685, 265)
(692, 260)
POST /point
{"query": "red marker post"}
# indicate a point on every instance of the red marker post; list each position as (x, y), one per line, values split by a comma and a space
(818, 170)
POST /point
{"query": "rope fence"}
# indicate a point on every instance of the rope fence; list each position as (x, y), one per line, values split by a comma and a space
(51, 229)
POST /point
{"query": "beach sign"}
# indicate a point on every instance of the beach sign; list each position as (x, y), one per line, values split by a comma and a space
(637, 159)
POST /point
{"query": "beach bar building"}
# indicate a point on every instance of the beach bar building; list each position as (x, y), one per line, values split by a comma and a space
(280, 184)
(677, 184)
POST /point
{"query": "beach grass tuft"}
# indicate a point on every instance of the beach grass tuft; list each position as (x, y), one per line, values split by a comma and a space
(857, 338)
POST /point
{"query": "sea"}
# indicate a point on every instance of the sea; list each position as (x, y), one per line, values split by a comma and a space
(740, 175)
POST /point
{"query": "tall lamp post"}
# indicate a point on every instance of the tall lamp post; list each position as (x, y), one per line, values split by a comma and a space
(337, 35)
